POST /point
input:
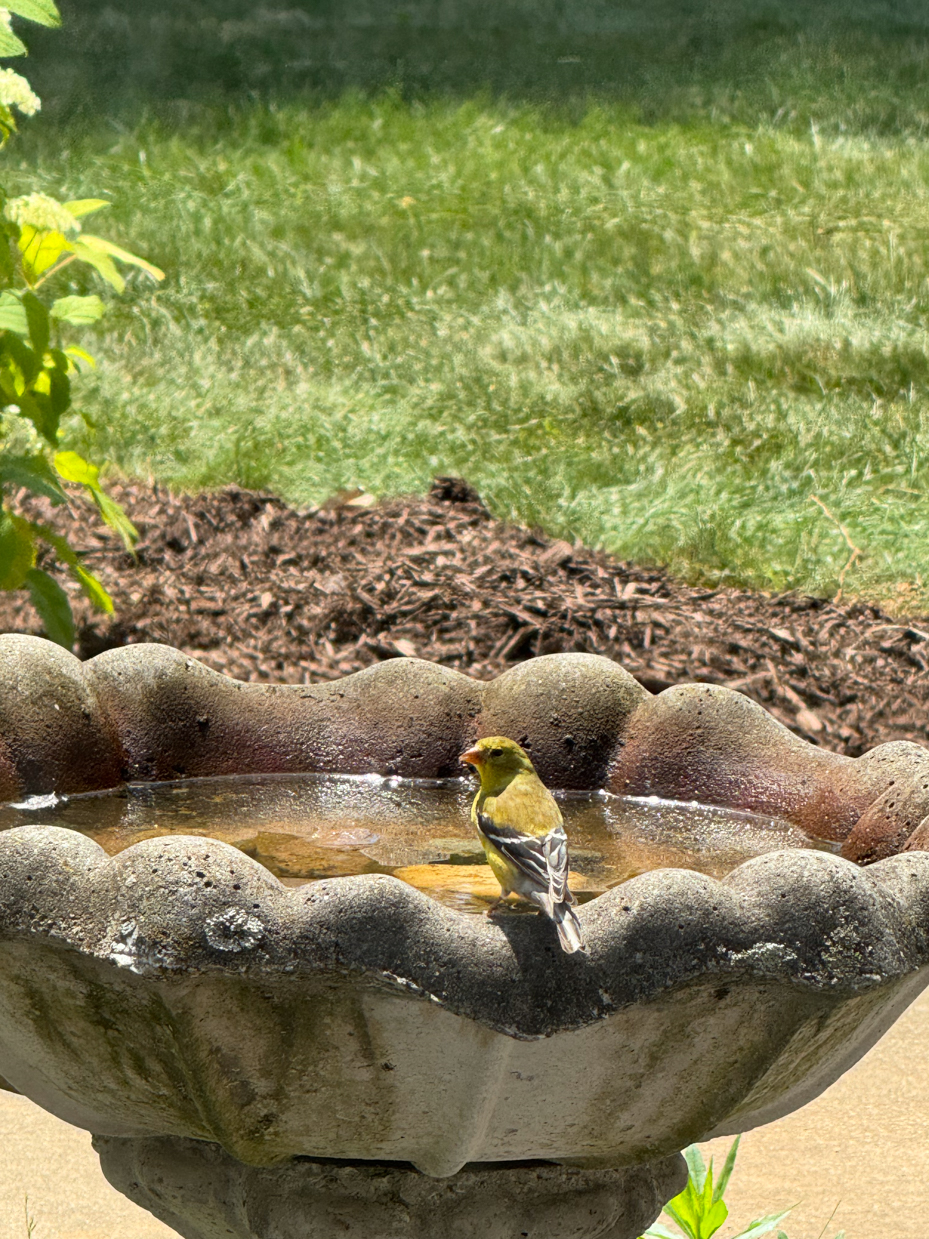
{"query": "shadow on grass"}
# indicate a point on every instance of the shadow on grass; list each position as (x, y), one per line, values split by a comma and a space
(861, 64)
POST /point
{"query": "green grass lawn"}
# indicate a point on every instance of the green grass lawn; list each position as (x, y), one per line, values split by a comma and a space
(652, 275)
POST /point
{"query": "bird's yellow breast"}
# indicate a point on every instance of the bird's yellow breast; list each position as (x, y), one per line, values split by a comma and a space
(502, 869)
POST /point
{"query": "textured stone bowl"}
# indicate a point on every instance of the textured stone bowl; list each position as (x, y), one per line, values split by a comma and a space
(178, 990)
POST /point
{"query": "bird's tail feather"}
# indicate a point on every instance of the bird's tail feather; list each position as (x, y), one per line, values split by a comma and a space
(565, 918)
(569, 928)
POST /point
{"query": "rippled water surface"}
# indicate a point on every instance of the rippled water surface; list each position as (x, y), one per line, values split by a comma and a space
(306, 827)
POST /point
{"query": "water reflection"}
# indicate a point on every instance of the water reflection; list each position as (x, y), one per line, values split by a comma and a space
(306, 827)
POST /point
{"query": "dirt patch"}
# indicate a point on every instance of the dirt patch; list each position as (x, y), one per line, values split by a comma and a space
(260, 591)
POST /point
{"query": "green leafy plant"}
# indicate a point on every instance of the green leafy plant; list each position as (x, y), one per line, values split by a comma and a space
(699, 1210)
(39, 238)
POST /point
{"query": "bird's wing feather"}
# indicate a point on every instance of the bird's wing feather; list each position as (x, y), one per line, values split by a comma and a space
(526, 852)
(525, 825)
(555, 847)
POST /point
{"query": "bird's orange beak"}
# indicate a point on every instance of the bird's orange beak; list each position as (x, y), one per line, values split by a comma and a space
(473, 757)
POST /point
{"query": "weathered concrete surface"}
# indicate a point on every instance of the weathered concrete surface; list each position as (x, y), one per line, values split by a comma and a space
(55, 736)
(813, 1156)
(570, 711)
(889, 821)
(703, 742)
(178, 719)
(179, 989)
(203, 1193)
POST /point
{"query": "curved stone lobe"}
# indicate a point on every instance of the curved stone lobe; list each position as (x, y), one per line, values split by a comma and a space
(203, 1193)
(55, 735)
(178, 719)
(887, 823)
(708, 743)
(570, 711)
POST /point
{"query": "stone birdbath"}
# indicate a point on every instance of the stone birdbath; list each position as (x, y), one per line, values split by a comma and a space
(350, 1057)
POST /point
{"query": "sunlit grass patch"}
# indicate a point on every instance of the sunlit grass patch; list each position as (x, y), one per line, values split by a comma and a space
(664, 339)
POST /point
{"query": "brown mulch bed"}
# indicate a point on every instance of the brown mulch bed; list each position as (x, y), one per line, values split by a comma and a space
(263, 592)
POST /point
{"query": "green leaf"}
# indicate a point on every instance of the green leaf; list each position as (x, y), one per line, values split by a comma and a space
(657, 1231)
(59, 394)
(78, 310)
(685, 1210)
(7, 123)
(92, 588)
(10, 45)
(763, 1225)
(60, 360)
(52, 604)
(78, 356)
(39, 410)
(15, 351)
(42, 11)
(17, 550)
(12, 314)
(728, 1166)
(85, 206)
(33, 472)
(115, 516)
(107, 247)
(695, 1166)
(8, 232)
(699, 1209)
(102, 263)
(74, 468)
(41, 249)
(37, 318)
(87, 581)
(713, 1218)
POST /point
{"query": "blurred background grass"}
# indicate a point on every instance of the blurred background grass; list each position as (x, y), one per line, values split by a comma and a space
(649, 274)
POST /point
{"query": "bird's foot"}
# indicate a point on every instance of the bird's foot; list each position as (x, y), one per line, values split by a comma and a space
(494, 907)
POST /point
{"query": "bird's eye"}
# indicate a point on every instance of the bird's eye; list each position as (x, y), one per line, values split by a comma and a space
(496, 752)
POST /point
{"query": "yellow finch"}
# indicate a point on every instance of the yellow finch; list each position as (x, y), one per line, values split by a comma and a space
(522, 833)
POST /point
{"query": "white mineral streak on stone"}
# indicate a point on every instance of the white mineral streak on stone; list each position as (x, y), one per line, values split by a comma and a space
(407, 984)
(233, 930)
(123, 950)
(766, 957)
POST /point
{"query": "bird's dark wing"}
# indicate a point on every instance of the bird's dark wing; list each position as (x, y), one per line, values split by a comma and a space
(543, 860)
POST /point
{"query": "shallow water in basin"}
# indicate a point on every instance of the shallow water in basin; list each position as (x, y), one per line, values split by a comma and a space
(306, 827)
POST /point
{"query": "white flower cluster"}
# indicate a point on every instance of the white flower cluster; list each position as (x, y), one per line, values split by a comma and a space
(41, 212)
(15, 91)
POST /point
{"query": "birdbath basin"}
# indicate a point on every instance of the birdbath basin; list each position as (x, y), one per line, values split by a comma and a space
(352, 1057)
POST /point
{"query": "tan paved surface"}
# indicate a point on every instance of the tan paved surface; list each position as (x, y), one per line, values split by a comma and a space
(864, 1145)
(68, 1196)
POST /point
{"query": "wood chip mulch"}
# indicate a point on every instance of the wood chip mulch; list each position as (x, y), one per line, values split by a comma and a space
(262, 592)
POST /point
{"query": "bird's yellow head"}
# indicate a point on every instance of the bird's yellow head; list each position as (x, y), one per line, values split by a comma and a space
(497, 760)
